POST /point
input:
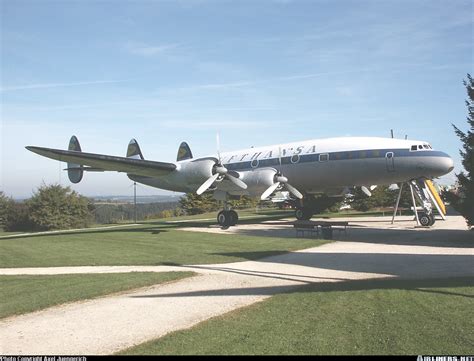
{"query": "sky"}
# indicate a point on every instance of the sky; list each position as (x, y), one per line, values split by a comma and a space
(258, 72)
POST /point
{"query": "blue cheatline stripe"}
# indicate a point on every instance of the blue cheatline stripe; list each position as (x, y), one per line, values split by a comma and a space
(334, 156)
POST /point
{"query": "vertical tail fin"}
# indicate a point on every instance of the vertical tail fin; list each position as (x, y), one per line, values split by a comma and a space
(74, 171)
(184, 152)
(133, 150)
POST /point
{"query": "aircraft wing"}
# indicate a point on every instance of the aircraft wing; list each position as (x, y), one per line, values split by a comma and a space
(104, 162)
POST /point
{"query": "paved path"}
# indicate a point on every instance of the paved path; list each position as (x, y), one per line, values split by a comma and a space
(109, 324)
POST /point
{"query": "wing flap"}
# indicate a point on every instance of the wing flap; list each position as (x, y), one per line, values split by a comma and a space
(107, 162)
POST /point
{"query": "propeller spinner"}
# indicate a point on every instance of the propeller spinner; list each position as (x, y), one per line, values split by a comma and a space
(219, 170)
(280, 180)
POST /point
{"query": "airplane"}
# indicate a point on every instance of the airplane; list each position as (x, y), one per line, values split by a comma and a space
(330, 166)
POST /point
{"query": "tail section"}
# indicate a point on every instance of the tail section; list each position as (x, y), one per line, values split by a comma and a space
(184, 152)
(74, 171)
(134, 151)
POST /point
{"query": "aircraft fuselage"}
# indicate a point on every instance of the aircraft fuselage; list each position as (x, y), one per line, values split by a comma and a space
(323, 165)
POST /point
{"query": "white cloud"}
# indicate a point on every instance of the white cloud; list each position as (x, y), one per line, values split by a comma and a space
(56, 85)
(149, 50)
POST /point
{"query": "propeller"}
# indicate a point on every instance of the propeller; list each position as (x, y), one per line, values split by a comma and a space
(280, 180)
(367, 191)
(219, 170)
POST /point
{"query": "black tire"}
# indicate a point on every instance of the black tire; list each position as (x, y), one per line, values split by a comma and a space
(234, 218)
(223, 218)
(303, 214)
(425, 220)
(433, 220)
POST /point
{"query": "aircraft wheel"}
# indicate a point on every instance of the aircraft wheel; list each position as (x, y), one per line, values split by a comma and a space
(234, 217)
(425, 220)
(433, 220)
(224, 218)
(303, 214)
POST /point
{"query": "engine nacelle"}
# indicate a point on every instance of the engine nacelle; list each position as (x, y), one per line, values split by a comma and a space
(195, 172)
(258, 180)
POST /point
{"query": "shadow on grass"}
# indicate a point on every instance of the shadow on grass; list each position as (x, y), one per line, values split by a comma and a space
(421, 285)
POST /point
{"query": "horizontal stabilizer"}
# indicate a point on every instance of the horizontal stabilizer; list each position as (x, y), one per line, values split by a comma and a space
(141, 167)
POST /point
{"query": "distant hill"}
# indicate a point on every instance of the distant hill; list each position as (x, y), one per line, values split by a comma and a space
(140, 199)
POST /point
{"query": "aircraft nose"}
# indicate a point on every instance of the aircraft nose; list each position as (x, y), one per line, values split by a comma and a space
(446, 164)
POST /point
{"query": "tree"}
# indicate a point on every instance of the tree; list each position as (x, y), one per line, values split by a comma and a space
(191, 203)
(463, 199)
(57, 207)
(18, 218)
(382, 197)
(5, 208)
(244, 202)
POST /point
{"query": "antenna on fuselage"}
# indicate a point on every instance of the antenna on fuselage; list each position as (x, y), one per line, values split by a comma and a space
(391, 132)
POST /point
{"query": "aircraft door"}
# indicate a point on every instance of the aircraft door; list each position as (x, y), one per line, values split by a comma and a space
(390, 160)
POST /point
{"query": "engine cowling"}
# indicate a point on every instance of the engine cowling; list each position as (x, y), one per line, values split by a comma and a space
(258, 180)
(197, 171)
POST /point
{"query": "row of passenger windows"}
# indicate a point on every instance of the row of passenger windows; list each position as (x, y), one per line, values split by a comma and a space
(325, 157)
(420, 147)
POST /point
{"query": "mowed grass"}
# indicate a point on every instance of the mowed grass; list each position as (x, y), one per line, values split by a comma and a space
(357, 317)
(22, 294)
(151, 243)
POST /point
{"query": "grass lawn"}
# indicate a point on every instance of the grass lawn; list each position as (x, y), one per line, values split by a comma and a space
(151, 243)
(22, 294)
(359, 317)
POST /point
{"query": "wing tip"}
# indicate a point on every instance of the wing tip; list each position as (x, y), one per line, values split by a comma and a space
(32, 148)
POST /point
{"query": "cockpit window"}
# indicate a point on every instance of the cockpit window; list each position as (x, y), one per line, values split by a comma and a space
(420, 147)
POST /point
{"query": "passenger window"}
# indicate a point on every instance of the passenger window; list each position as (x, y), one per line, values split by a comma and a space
(295, 158)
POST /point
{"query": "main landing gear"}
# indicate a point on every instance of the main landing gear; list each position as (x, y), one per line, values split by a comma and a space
(227, 218)
(303, 213)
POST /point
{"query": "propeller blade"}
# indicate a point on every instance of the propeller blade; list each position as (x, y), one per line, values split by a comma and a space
(205, 186)
(269, 191)
(279, 158)
(394, 187)
(366, 191)
(236, 181)
(294, 191)
(218, 142)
